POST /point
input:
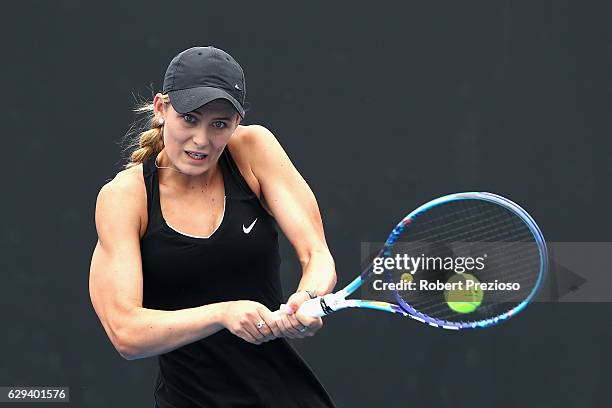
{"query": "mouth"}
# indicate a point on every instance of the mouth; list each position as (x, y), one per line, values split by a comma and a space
(196, 155)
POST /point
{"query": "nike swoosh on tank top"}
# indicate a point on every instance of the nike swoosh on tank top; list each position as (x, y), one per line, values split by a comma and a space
(183, 271)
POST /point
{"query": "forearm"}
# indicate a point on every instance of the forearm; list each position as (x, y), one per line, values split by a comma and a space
(149, 332)
(318, 273)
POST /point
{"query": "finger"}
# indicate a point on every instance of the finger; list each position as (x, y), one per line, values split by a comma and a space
(311, 327)
(252, 330)
(298, 328)
(264, 329)
(266, 334)
(271, 320)
(288, 329)
(312, 323)
(304, 320)
(246, 336)
(282, 325)
(295, 301)
(316, 324)
(295, 323)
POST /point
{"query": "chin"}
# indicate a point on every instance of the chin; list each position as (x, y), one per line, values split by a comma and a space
(192, 170)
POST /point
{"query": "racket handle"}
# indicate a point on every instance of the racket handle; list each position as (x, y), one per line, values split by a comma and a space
(311, 307)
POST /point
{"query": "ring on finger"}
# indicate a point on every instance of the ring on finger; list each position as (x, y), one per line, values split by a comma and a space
(303, 329)
(260, 324)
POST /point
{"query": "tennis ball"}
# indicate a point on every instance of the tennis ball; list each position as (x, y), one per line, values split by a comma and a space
(465, 300)
(406, 277)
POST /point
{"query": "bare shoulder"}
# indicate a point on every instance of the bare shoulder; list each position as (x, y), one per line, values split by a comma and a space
(245, 145)
(263, 152)
(242, 146)
(124, 194)
(249, 143)
(125, 185)
(251, 137)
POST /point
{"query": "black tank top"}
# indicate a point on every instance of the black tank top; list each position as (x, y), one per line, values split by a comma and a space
(238, 261)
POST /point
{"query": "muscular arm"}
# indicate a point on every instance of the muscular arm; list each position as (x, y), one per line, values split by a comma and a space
(115, 286)
(294, 207)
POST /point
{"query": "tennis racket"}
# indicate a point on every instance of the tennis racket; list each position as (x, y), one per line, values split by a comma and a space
(462, 261)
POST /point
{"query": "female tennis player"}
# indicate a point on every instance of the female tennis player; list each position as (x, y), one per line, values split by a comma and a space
(186, 266)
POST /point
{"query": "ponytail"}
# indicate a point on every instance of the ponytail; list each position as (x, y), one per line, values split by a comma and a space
(150, 141)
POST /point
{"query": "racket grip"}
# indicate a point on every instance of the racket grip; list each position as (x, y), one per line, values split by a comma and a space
(311, 307)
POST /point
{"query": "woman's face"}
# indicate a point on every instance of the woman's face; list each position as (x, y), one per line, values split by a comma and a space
(194, 141)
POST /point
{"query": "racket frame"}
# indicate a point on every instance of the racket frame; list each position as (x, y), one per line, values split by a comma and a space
(333, 302)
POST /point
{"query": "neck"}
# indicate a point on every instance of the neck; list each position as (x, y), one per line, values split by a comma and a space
(170, 175)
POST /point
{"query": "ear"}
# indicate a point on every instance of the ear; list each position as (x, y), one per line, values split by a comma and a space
(158, 106)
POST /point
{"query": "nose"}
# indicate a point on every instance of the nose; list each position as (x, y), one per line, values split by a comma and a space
(200, 137)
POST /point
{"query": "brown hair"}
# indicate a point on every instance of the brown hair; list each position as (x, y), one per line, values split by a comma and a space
(149, 139)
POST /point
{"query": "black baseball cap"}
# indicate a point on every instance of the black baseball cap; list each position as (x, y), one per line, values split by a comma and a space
(199, 75)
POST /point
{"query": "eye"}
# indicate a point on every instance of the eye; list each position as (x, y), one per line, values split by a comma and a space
(188, 118)
(219, 124)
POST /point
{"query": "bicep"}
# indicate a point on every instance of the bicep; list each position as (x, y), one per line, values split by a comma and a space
(115, 279)
(287, 194)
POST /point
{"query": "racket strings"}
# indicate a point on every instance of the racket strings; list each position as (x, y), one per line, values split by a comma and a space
(477, 210)
(517, 232)
(532, 256)
(428, 302)
(471, 236)
(493, 250)
(522, 265)
(454, 227)
(466, 228)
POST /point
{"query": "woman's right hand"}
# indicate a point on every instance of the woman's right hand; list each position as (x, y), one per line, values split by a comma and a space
(241, 317)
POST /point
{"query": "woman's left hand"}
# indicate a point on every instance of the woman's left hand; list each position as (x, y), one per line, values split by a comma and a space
(295, 325)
